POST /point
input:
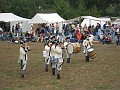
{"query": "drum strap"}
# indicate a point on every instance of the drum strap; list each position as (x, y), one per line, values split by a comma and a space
(25, 57)
(90, 44)
(49, 51)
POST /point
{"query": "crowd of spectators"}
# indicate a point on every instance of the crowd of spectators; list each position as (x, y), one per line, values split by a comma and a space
(104, 34)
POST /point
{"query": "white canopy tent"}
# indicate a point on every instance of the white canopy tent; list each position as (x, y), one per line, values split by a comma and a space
(117, 21)
(89, 20)
(72, 20)
(46, 18)
(14, 19)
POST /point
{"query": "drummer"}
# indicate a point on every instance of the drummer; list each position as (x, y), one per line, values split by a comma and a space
(65, 45)
(87, 44)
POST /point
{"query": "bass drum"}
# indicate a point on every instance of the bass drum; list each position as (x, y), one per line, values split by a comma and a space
(77, 47)
(70, 48)
(91, 53)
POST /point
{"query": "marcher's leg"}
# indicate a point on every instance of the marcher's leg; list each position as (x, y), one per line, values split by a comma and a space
(59, 67)
(87, 58)
(46, 67)
(53, 68)
(47, 61)
(68, 58)
(86, 55)
(22, 73)
(58, 74)
(53, 71)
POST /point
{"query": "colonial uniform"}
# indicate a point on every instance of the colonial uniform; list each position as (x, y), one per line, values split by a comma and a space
(52, 55)
(59, 59)
(65, 45)
(87, 44)
(47, 58)
(23, 58)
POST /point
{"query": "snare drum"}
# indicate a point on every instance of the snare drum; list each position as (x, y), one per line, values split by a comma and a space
(91, 53)
(76, 47)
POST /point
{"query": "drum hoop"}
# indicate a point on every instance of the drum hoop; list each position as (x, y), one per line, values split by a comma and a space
(89, 49)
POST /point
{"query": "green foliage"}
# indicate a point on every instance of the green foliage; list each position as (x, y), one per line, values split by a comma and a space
(81, 9)
(65, 8)
(94, 11)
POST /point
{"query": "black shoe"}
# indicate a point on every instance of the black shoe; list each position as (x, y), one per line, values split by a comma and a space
(46, 70)
(58, 77)
(53, 71)
(22, 76)
(68, 60)
(87, 58)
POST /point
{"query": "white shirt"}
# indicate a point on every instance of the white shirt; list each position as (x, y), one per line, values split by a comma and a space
(87, 44)
(47, 49)
(58, 52)
(91, 38)
(52, 53)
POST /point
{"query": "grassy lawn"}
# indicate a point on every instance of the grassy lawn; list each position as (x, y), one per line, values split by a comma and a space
(102, 73)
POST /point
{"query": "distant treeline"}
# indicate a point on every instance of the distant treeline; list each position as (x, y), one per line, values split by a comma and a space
(65, 8)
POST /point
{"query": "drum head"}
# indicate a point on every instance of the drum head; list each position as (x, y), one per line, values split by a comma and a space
(70, 48)
(90, 50)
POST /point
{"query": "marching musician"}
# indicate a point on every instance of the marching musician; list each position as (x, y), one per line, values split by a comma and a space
(65, 45)
(87, 44)
(59, 57)
(52, 55)
(24, 48)
(47, 49)
(53, 38)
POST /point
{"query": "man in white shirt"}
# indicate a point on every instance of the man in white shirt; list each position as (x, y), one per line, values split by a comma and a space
(65, 45)
(47, 57)
(24, 48)
(59, 58)
(52, 55)
(87, 44)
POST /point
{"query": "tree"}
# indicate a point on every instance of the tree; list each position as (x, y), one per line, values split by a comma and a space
(94, 11)
(63, 8)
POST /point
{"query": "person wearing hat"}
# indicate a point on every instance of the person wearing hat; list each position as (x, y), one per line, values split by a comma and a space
(52, 55)
(65, 45)
(24, 48)
(46, 40)
(53, 38)
(59, 57)
(47, 57)
(87, 44)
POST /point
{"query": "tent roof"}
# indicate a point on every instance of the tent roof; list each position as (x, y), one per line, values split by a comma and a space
(105, 19)
(97, 19)
(7, 17)
(117, 20)
(72, 20)
(90, 17)
(46, 18)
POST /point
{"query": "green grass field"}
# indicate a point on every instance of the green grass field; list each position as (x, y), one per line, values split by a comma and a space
(102, 73)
